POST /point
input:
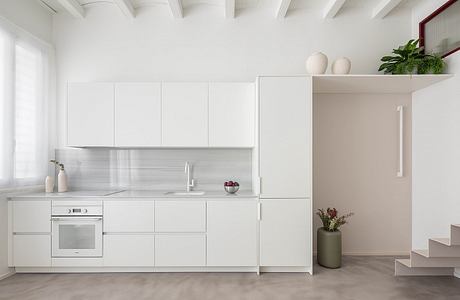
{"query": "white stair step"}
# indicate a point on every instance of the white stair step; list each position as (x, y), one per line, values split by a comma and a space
(442, 247)
(403, 268)
(455, 234)
(420, 258)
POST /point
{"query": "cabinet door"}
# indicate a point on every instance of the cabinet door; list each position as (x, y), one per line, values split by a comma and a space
(128, 216)
(180, 250)
(128, 250)
(90, 109)
(180, 216)
(32, 250)
(32, 216)
(137, 114)
(285, 137)
(185, 114)
(285, 233)
(231, 114)
(232, 233)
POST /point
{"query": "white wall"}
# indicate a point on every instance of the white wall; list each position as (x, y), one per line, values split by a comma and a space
(205, 46)
(30, 16)
(3, 237)
(436, 151)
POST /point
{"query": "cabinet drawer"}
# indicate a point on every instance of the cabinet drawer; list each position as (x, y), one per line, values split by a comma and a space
(32, 250)
(128, 250)
(128, 216)
(180, 250)
(32, 216)
(180, 216)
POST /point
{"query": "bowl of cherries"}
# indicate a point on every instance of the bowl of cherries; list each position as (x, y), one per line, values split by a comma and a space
(231, 187)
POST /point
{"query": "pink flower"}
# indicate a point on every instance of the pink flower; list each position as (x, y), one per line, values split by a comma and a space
(332, 213)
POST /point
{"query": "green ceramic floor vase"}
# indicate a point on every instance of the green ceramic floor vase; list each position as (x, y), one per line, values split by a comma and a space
(329, 247)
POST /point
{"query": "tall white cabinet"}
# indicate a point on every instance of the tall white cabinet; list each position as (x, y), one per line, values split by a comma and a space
(285, 171)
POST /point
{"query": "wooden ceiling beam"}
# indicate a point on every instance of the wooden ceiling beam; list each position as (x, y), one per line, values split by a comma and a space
(176, 8)
(332, 8)
(73, 7)
(384, 8)
(282, 9)
(126, 8)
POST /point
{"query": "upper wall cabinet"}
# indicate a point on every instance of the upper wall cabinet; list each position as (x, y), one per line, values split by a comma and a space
(138, 114)
(90, 115)
(185, 114)
(231, 114)
(153, 114)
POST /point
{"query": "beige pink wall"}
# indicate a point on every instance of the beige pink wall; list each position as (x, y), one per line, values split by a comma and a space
(355, 164)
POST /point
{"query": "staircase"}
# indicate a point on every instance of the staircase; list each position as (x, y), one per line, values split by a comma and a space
(441, 258)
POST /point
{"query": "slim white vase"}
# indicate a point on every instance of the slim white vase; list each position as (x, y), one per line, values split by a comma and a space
(49, 184)
(316, 63)
(62, 181)
(341, 66)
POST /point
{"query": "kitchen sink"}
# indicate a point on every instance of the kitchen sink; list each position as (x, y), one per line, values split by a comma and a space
(192, 193)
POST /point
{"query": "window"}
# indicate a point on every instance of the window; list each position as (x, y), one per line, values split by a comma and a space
(23, 111)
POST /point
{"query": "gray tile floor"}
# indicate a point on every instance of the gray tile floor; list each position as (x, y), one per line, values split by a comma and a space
(367, 278)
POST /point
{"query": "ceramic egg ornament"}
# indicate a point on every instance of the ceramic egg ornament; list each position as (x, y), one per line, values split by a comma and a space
(341, 66)
(316, 63)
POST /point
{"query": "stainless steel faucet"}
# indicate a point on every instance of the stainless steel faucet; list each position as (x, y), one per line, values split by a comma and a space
(190, 182)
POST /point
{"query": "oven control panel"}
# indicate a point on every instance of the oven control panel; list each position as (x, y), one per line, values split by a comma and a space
(77, 211)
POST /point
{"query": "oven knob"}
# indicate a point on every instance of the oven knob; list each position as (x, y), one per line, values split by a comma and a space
(85, 211)
(69, 211)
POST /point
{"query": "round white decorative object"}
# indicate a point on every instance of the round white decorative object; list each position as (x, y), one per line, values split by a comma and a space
(316, 63)
(341, 65)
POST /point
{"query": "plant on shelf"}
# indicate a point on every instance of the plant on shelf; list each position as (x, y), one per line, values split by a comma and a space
(410, 59)
(329, 238)
(331, 222)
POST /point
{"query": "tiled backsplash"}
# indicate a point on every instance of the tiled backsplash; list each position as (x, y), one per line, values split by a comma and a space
(155, 169)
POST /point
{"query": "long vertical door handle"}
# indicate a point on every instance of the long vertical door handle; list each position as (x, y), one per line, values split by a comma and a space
(259, 211)
(400, 172)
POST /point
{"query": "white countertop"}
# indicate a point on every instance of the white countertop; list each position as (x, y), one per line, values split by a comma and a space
(130, 194)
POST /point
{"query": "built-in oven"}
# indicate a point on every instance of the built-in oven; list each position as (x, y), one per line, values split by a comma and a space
(76, 231)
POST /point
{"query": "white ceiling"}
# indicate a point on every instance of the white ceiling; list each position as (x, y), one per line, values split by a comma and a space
(372, 5)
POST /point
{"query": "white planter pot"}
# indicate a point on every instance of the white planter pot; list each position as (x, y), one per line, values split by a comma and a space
(341, 65)
(316, 63)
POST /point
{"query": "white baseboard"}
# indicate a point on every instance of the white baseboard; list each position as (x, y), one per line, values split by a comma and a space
(376, 253)
(457, 272)
(4, 276)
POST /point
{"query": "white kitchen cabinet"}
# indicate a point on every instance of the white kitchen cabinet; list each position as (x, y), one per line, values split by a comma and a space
(90, 115)
(232, 233)
(129, 250)
(180, 250)
(32, 216)
(31, 250)
(285, 233)
(128, 216)
(137, 114)
(180, 216)
(285, 137)
(185, 114)
(231, 114)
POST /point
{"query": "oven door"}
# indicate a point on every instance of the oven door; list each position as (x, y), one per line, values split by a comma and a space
(77, 236)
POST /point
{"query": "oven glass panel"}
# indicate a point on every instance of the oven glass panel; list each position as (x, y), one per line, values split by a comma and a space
(77, 236)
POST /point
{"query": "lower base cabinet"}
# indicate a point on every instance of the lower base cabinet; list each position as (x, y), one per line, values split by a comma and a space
(180, 250)
(129, 250)
(232, 233)
(32, 250)
(285, 233)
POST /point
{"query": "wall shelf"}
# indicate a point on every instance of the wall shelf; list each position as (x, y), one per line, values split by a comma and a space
(373, 84)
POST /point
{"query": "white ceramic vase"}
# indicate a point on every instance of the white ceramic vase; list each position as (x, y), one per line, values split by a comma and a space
(49, 184)
(62, 181)
(316, 63)
(341, 66)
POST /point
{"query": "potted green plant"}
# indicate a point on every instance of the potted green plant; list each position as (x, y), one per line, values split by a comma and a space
(410, 59)
(329, 238)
